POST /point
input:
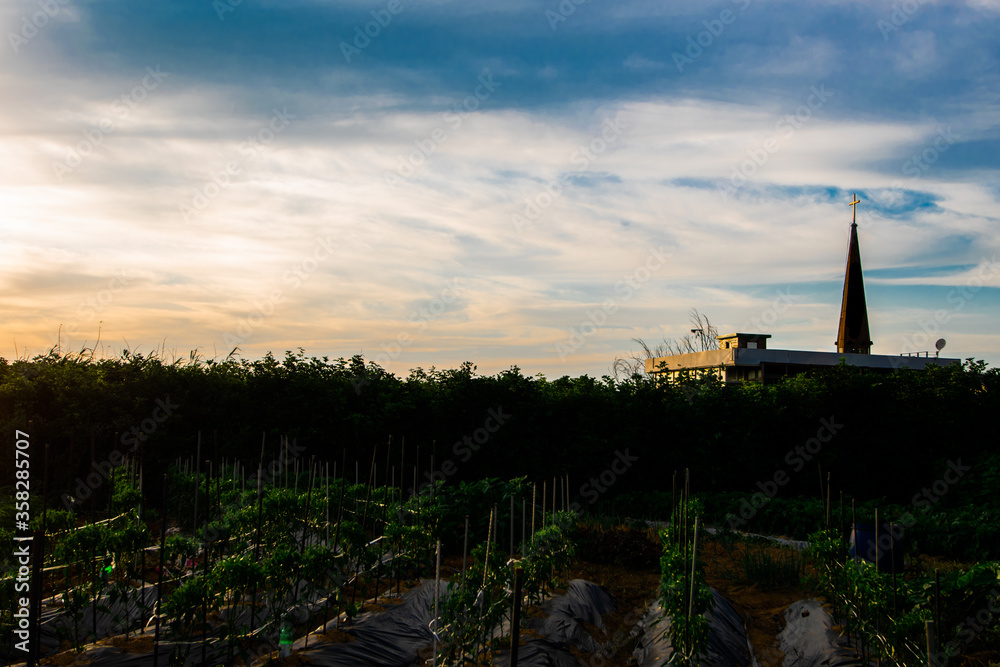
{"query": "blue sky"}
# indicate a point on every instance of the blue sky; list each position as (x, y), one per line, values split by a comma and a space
(521, 183)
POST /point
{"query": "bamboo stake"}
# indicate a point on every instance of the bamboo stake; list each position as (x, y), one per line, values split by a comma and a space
(159, 578)
(694, 559)
(465, 549)
(553, 500)
(937, 598)
(534, 511)
(305, 522)
(437, 594)
(364, 520)
(877, 531)
(486, 561)
(931, 629)
(256, 542)
(545, 494)
(209, 473)
(854, 528)
(515, 616)
(828, 499)
(328, 500)
(204, 602)
(433, 452)
(524, 516)
(215, 466)
(385, 506)
(511, 552)
(340, 516)
(197, 484)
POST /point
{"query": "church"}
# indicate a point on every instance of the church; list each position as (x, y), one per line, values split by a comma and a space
(745, 357)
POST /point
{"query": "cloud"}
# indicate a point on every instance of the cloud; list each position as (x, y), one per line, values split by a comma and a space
(400, 173)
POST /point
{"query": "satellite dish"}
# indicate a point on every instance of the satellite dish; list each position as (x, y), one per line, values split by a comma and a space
(940, 344)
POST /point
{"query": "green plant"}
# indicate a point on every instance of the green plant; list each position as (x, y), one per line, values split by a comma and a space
(187, 602)
(685, 602)
(684, 595)
(471, 612)
(769, 567)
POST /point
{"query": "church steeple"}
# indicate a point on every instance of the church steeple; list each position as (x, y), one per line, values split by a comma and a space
(853, 335)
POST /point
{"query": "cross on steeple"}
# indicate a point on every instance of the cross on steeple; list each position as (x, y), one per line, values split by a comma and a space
(854, 204)
(853, 335)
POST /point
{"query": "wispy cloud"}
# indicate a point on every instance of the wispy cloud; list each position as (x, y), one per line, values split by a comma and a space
(194, 279)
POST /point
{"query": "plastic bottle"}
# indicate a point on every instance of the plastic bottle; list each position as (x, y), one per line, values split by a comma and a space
(285, 641)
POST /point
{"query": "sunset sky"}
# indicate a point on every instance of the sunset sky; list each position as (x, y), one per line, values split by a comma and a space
(530, 183)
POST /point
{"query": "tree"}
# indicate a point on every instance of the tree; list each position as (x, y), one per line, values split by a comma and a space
(702, 337)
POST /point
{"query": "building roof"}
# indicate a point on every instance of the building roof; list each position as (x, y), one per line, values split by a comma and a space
(741, 352)
(738, 356)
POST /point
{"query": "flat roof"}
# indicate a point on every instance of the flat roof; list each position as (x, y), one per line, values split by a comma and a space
(739, 356)
(744, 335)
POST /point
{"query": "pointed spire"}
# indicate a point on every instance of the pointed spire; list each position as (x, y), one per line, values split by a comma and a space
(853, 335)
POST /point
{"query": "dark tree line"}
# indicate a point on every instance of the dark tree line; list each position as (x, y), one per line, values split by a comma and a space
(895, 433)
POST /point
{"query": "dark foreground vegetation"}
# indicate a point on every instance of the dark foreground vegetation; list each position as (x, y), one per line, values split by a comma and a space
(888, 437)
(268, 463)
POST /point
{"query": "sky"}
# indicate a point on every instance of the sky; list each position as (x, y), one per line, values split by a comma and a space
(520, 183)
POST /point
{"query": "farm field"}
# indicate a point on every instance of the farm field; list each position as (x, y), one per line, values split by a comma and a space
(153, 541)
(299, 560)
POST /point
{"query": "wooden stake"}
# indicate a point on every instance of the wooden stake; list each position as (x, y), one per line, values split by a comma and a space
(694, 559)
(931, 630)
(159, 576)
(465, 549)
(511, 552)
(545, 493)
(534, 511)
(197, 483)
(515, 616)
(437, 594)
